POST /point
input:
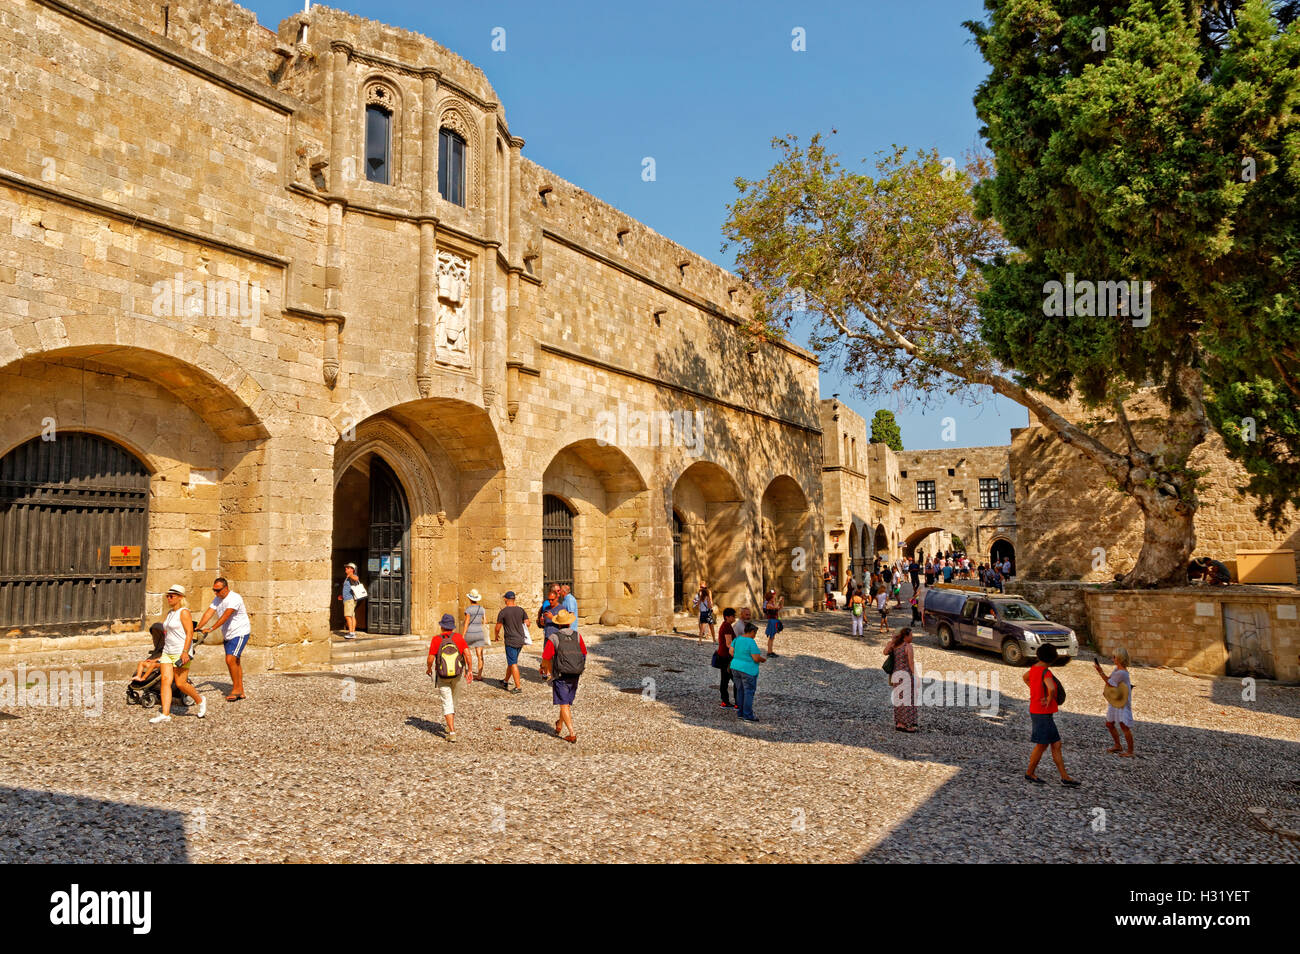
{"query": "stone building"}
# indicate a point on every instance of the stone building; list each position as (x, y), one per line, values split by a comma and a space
(892, 504)
(964, 492)
(273, 301)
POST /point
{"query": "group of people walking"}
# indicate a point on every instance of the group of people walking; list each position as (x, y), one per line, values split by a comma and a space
(564, 654)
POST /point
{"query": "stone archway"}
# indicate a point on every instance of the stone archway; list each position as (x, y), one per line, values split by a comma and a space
(1003, 549)
(613, 575)
(787, 541)
(203, 445)
(714, 521)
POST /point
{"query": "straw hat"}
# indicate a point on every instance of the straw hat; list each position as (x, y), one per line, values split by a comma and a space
(564, 618)
(474, 596)
(1117, 696)
(178, 590)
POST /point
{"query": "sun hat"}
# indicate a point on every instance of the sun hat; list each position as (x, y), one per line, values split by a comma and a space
(448, 621)
(474, 596)
(564, 618)
(349, 566)
(510, 594)
(1117, 696)
(177, 589)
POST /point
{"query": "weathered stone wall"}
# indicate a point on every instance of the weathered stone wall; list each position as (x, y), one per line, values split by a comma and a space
(1075, 524)
(1186, 627)
(956, 474)
(137, 169)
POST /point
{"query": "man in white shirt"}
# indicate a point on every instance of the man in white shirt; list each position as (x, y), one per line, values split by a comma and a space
(228, 612)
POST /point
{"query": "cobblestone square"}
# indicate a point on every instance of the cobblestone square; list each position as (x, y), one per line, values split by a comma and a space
(298, 773)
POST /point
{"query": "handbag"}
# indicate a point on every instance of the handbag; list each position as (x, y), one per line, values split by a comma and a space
(888, 664)
(359, 591)
(1060, 689)
(712, 617)
(716, 662)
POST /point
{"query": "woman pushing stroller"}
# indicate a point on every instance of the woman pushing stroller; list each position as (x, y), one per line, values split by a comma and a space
(178, 637)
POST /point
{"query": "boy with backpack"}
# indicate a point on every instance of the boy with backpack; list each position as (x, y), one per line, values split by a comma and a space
(449, 652)
(564, 658)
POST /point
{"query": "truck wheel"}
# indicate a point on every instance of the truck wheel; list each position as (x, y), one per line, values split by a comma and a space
(945, 636)
(1012, 654)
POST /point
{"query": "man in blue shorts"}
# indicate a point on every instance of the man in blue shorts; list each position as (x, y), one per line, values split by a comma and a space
(232, 616)
(514, 621)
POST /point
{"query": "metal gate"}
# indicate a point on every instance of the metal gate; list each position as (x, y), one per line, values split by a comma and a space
(678, 588)
(557, 542)
(1246, 637)
(74, 527)
(388, 603)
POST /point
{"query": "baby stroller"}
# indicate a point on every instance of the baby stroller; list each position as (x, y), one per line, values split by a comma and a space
(147, 692)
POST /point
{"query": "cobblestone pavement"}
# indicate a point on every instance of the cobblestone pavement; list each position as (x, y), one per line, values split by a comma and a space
(313, 767)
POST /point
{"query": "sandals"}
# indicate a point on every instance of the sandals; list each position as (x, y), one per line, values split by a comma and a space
(570, 738)
(557, 728)
(1071, 782)
(1035, 779)
(234, 698)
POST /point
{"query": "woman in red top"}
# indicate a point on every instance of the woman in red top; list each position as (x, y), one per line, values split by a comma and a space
(1043, 691)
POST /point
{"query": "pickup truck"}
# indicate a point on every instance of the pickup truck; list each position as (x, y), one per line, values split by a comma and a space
(1007, 624)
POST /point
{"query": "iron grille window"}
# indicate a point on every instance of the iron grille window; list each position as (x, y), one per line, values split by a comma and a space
(557, 542)
(925, 495)
(451, 166)
(378, 128)
(990, 493)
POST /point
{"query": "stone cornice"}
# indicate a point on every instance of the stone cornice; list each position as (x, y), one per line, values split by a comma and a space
(680, 294)
(172, 52)
(382, 62)
(114, 211)
(660, 383)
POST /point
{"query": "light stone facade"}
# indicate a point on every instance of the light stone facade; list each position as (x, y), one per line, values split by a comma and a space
(872, 505)
(480, 352)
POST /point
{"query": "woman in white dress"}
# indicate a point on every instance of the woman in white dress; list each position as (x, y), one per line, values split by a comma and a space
(178, 635)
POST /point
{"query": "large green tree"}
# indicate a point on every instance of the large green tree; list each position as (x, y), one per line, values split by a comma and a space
(1153, 141)
(1119, 132)
(885, 430)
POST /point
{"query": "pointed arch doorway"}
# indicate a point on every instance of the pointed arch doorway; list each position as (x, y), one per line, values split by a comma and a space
(372, 528)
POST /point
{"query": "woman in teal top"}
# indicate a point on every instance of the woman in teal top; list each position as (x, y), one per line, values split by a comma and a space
(745, 658)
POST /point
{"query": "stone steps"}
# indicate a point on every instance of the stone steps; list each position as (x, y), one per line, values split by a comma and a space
(373, 649)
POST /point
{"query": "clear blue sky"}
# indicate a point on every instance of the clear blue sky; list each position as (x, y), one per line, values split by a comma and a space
(702, 87)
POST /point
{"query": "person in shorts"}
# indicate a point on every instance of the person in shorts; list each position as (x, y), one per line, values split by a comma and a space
(1043, 693)
(514, 621)
(449, 689)
(772, 607)
(564, 685)
(229, 612)
(349, 600)
(882, 607)
(178, 639)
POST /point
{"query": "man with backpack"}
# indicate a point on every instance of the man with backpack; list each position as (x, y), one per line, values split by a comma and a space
(449, 653)
(564, 659)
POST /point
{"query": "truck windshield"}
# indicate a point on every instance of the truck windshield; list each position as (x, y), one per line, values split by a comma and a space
(1019, 611)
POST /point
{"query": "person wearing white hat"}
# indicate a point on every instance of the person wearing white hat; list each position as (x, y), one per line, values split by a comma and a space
(178, 630)
(351, 591)
(476, 634)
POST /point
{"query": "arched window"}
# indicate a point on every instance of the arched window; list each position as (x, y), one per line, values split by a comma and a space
(379, 126)
(451, 166)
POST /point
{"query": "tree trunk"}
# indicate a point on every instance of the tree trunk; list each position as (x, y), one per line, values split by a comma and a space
(1168, 539)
